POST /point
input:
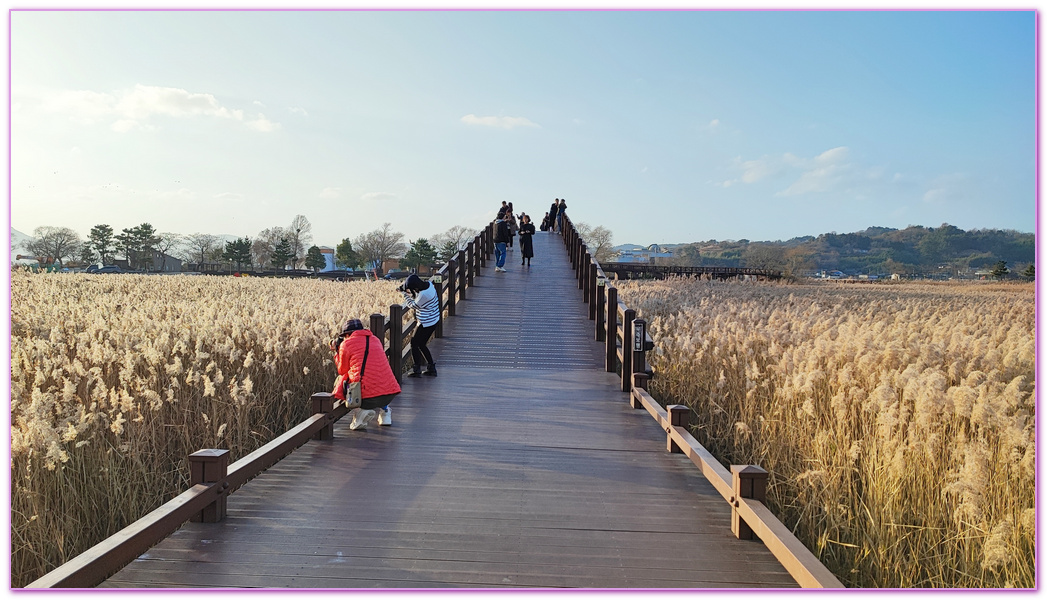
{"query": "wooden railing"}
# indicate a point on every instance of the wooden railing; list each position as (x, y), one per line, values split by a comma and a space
(744, 487)
(213, 479)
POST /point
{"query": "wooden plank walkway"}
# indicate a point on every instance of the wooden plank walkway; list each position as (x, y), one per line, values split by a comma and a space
(521, 465)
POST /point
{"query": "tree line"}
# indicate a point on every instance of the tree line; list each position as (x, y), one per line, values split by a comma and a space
(916, 250)
(144, 248)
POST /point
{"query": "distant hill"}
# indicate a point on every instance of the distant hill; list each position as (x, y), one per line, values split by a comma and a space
(18, 241)
(944, 251)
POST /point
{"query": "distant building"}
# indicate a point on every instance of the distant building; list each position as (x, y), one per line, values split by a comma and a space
(643, 255)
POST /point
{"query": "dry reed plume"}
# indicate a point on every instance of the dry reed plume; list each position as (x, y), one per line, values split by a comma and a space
(897, 421)
(116, 379)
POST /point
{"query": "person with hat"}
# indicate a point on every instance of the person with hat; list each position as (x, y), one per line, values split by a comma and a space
(360, 356)
(421, 296)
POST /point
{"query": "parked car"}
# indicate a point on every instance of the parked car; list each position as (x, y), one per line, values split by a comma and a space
(109, 269)
(397, 275)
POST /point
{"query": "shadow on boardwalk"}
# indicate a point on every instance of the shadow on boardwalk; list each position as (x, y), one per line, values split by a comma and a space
(521, 465)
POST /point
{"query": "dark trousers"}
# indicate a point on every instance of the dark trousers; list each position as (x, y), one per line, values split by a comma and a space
(376, 402)
(419, 350)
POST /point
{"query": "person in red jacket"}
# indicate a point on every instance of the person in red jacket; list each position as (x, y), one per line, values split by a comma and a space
(378, 386)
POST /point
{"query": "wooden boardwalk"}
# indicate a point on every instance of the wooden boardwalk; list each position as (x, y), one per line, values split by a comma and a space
(521, 465)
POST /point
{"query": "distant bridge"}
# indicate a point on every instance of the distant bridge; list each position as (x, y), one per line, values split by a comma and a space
(643, 270)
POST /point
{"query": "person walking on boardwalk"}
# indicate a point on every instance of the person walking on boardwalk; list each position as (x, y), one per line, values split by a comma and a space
(560, 213)
(360, 357)
(501, 238)
(526, 243)
(554, 210)
(422, 297)
(514, 227)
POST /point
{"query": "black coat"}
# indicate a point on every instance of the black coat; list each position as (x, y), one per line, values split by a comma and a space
(501, 232)
(526, 245)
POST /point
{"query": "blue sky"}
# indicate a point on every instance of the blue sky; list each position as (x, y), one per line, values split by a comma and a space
(663, 126)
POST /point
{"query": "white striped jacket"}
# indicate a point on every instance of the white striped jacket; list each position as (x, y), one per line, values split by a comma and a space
(426, 306)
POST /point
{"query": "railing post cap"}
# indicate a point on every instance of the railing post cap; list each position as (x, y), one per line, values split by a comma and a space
(209, 454)
(751, 471)
(320, 394)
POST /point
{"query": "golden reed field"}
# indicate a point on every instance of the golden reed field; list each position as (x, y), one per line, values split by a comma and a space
(115, 379)
(897, 421)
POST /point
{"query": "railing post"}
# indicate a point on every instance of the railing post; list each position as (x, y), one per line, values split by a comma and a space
(679, 416)
(592, 291)
(210, 466)
(601, 305)
(377, 327)
(396, 341)
(478, 255)
(489, 242)
(627, 350)
(750, 482)
(639, 346)
(611, 328)
(452, 277)
(462, 271)
(639, 382)
(323, 402)
(583, 275)
(439, 331)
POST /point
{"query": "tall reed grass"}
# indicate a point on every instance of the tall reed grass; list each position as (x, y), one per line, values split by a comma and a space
(897, 421)
(116, 379)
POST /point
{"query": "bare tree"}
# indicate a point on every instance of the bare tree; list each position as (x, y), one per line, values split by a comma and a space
(198, 246)
(168, 242)
(598, 239)
(263, 247)
(300, 234)
(458, 235)
(379, 245)
(54, 243)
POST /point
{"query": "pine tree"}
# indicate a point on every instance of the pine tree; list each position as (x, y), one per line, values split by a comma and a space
(101, 240)
(282, 253)
(421, 253)
(238, 251)
(1000, 270)
(344, 255)
(1030, 272)
(314, 259)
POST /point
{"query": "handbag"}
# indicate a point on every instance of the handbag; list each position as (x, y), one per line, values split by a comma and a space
(352, 389)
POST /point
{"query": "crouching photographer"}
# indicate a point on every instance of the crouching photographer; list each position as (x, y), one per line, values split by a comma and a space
(421, 296)
(363, 373)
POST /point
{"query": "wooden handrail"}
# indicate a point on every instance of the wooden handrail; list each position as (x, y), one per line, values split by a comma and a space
(93, 566)
(97, 563)
(798, 560)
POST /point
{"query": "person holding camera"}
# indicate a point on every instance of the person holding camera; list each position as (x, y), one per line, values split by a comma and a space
(421, 296)
(359, 356)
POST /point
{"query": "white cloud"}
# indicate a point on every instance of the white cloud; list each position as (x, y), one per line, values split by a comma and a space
(947, 189)
(330, 193)
(829, 171)
(133, 109)
(832, 156)
(229, 197)
(500, 122)
(378, 196)
(713, 124)
(820, 179)
(263, 124)
(298, 111)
